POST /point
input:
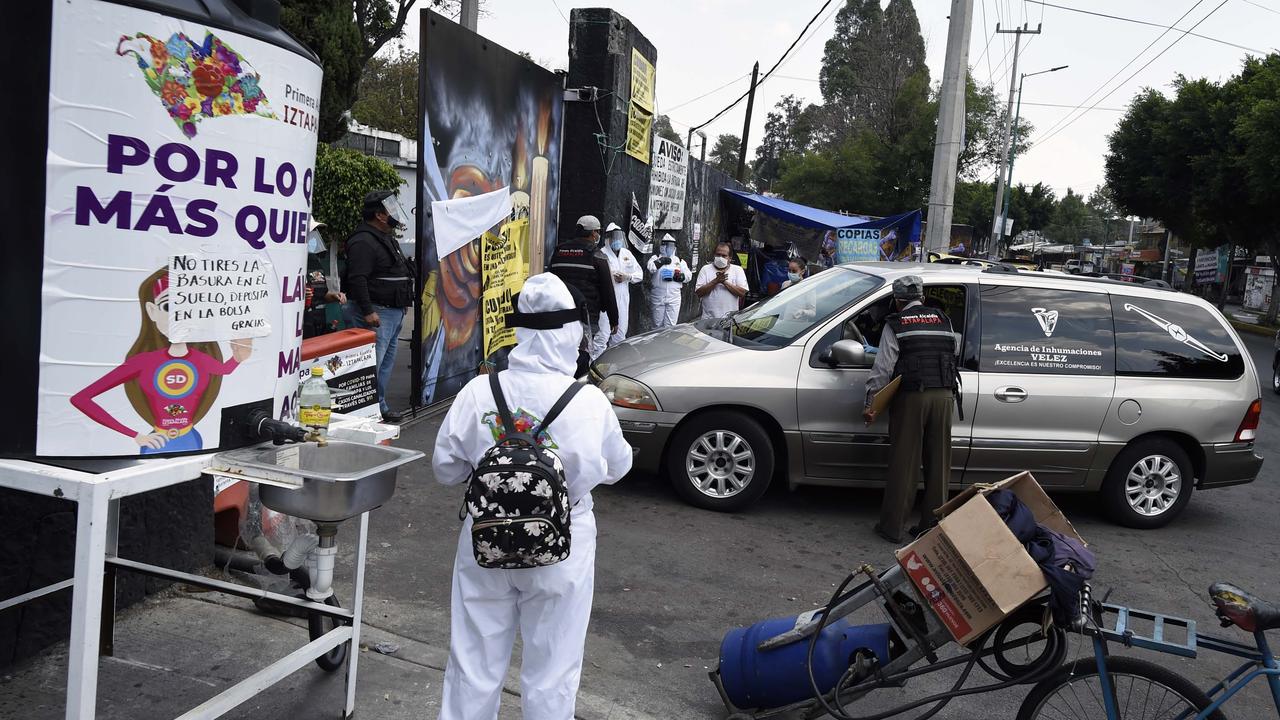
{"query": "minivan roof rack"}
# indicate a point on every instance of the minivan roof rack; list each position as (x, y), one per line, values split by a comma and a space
(1109, 278)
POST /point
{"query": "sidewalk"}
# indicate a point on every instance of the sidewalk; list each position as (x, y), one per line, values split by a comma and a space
(179, 648)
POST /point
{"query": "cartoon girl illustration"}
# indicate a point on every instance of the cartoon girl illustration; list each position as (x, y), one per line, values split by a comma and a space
(170, 385)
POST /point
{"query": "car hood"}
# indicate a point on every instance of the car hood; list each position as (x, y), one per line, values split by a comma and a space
(640, 354)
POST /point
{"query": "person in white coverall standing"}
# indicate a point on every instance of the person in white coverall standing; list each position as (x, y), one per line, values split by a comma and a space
(626, 271)
(550, 606)
(667, 276)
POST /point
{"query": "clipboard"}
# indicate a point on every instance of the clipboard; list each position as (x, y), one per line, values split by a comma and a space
(881, 399)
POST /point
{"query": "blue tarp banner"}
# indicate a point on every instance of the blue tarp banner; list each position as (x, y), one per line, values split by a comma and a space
(857, 238)
(886, 239)
(795, 213)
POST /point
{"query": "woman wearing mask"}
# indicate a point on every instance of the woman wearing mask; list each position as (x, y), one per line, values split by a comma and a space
(797, 270)
(625, 270)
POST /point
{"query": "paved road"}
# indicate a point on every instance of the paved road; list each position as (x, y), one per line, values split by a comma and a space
(672, 579)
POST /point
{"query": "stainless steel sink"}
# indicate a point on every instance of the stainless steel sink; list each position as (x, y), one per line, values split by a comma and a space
(339, 480)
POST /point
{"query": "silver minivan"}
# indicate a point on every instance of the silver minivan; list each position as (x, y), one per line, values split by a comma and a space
(1136, 393)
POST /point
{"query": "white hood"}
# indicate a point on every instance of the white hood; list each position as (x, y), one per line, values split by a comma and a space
(546, 351)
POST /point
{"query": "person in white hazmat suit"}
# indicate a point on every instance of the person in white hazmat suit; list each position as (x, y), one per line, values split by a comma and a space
(667, 276)
(550, 606)
(626, 271)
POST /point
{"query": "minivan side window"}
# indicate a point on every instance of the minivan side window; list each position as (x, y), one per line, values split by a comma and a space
(1045, 331)
(1163, 338)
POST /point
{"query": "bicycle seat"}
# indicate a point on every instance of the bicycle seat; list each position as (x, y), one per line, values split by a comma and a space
(1245, 611)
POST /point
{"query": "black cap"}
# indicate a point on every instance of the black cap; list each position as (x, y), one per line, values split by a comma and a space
(373, 201)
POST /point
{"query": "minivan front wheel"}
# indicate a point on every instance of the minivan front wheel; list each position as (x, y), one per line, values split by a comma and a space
(1275, 376)
(1149, 484)
(720, 461)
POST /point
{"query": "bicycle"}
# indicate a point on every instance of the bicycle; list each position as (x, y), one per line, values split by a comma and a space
(1118, 687)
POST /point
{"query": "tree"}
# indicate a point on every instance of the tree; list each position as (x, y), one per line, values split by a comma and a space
(724, 154)
(346, 34)
(781, 140)
(389, 94)
(662, 128)
(343, 178)
(1072, 222)
(867, 63)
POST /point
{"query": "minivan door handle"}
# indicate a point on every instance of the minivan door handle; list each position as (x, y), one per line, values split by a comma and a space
(1011, 394)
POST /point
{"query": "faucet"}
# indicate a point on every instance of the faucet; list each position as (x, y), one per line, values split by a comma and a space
(278, 432)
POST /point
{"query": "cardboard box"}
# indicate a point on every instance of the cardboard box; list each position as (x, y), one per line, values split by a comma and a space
(971, 569)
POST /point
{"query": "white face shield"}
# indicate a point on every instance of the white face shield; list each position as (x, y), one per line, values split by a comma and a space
(395, 211)
(315, 243)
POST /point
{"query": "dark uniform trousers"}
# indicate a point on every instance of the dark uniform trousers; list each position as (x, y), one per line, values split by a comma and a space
(919, 428)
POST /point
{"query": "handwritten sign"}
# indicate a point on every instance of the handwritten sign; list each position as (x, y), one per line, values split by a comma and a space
(218, 297)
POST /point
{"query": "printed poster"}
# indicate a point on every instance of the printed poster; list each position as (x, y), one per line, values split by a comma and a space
(505, 270)
(857, 245)
(667, 177)
(352, 378)
(178, 195)
(640, 109)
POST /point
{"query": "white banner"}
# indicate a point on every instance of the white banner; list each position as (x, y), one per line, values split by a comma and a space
(171, 143)
(667, 176)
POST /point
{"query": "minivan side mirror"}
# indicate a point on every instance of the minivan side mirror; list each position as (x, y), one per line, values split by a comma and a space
(845, 354)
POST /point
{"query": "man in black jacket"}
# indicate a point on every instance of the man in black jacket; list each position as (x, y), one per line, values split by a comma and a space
(579, 264)
(379, 283)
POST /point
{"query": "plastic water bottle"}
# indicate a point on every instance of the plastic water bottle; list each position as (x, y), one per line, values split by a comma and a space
(314, 402)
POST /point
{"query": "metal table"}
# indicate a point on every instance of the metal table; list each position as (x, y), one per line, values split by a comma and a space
(97, 486)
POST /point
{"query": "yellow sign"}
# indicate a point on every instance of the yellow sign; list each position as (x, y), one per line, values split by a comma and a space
(640, 109)
(504, 268)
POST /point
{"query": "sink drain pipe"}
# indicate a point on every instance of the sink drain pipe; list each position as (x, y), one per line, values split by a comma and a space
(320, 563)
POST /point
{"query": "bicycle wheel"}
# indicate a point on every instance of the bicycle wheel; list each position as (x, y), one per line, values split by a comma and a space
(1143, 691)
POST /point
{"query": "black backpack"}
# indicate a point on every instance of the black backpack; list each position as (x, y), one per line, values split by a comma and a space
(518, 497)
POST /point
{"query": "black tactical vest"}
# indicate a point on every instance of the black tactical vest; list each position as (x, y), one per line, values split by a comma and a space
(926, 349)
(575, 264)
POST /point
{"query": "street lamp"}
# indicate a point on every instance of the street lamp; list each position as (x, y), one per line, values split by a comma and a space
(1008, 185)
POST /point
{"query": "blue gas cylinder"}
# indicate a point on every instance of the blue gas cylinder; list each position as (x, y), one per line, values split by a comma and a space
(772, 678)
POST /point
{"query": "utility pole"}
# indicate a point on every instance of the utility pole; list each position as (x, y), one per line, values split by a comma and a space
(1008, 186)
(746, 124)
(997, 225)
(950, 135)
(470, 15)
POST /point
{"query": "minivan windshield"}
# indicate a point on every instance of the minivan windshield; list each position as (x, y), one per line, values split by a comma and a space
(777, 321)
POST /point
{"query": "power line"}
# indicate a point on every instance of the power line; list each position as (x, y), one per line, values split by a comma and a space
(709, 92)
(1063, 105)
(1117, 73)
(557, 7)
(986, 52)
(1150, 24)
(1264, 7)
(1135, 72)
(764, 77)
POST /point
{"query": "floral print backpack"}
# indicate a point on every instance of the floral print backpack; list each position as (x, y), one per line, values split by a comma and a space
(518, 498)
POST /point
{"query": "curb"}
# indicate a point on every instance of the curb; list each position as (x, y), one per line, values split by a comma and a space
(1252, 329)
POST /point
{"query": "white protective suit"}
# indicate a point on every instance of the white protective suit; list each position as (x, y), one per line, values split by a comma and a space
(621, 262)
(664, 295)
(550, 606)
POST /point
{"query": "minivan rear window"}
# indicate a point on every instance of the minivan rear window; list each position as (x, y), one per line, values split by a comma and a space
(1045, 331)
(1163, 338)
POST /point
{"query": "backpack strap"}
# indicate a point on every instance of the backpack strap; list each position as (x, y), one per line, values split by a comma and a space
(559, 407)
(508, 425)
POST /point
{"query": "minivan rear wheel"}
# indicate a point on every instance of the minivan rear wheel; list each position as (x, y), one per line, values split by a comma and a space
(1149, 484)
(720, 461)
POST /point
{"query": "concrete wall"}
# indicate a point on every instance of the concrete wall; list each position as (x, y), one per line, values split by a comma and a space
(597, 176)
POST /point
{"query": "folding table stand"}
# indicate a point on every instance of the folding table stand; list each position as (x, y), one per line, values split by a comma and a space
(97, 486)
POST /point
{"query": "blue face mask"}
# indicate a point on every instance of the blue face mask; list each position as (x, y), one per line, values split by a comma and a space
(616, 245)
(794, 277)
(314, 243)
(668, 250)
